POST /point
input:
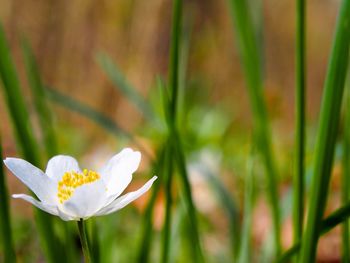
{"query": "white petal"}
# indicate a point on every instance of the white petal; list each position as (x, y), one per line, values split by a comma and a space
(34, 178)
(59, 164)
(86, 200)
(117, 172)
(65, 216)
(126, 199)
(51, 209)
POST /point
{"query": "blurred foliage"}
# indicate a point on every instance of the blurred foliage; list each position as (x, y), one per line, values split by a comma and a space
(102, 101)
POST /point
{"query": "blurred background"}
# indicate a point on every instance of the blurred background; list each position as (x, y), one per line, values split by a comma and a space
(68, 37)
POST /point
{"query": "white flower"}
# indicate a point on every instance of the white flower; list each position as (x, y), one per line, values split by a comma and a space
(66, 191)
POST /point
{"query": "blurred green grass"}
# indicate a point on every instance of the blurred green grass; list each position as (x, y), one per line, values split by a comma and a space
(215, 123)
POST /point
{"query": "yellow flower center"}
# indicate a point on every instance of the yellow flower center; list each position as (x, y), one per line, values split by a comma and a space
(72, 180)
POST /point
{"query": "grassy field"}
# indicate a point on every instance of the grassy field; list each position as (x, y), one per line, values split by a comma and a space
(241, 108)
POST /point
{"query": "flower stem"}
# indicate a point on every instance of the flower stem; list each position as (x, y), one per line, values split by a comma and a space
(84, 241)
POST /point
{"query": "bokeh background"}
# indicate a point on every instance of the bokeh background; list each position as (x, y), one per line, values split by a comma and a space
(66, 37)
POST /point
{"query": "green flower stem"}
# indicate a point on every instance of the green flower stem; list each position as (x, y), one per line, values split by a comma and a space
(84, 241)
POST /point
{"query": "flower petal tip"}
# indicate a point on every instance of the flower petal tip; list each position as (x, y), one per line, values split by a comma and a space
(154, 178)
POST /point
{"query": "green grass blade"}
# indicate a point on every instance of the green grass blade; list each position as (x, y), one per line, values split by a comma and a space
(99, 118)
(298, 178)
(168, 181)
(228, 203)
(25, 139)
(120, 82)
(174, 60)
(16, 104)
(147, 233)
(345, 191)
(85, 110)
(5, 222)
(251, 61)
(245, 254)
(170, 111)
(337, 217)
(173, 137)
(39, 99)
(327, 133)
(191, 210)
(287, 256)
(46, 124)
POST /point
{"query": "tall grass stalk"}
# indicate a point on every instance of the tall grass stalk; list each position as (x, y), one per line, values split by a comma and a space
(5, 222)
(25, 140)
(47, 130)
(245, 254)
(230, 206)
(191, 210)
(251, 60)
(175, 144)
(170, 116)
(327, 133)
(298, 180)
(147, 227)
(334, 219)
(339, 216)
(40, 100)
(168, 181)
(346, 172)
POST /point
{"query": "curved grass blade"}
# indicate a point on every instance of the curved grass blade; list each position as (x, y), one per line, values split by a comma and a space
(25, 140)
(327, 133)
(251, 61)
(83, 109)
(93, 115)
(120, 82)
(337, 217)
(5, 221)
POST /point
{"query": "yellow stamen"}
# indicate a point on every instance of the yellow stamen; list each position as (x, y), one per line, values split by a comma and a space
(72, 180)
